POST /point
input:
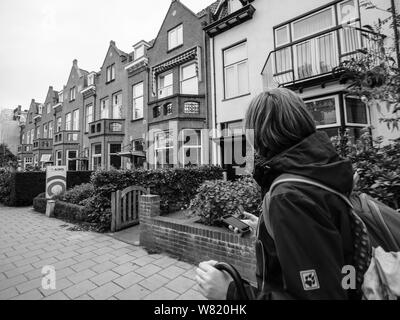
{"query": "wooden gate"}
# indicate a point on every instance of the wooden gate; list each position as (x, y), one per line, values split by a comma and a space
(125, 207)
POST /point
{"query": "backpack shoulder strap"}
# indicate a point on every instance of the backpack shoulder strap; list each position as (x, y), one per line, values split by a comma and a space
(294, 178)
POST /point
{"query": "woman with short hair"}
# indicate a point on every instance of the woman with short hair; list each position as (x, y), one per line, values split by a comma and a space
(306, 241)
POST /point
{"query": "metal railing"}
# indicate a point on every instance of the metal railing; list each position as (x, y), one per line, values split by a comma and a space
(317, 55)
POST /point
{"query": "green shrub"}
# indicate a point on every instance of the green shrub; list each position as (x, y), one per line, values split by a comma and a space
(5, 186)
(77, 194)
(215, 199)
(97, 210)
(69, 211)
(40, 203)
(378, 166)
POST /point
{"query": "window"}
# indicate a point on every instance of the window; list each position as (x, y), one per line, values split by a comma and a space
(191, 107)
(234, 5)
(28, 161)
(325, 111)
(72, 94)
(72, 162)
(138, 145)
(164, 146)
(236, 71)
(96, 156)
(48, 108)
(23, 138)
(356, 112)
(59, 158)
(189, 80)
(114, 158)
(314, 23)
(50, 135)
(28, 135)
(68, 122)
(40, 109)
(165, 85)
(191, 147)
(139, 52)
(347, 11)
(168, 109)
(32, 136)
(58, 128)
(175, 37)
(110, 76)
(282, 36)
(72, 137)
(90, 80)
(75, 122)
(156, 112)
(45, 130)
(138, 101)
(117, 106)
(38, 133)
(60, 97)
(89, 116)
(105, 108)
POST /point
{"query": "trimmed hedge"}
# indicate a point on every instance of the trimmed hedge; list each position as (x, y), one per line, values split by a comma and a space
(40, 203)
(22, 187)
(69, 211)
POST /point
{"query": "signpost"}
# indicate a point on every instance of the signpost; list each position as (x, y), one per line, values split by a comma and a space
(56, 181)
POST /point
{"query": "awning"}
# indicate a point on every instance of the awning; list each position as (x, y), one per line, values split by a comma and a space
(46, 158)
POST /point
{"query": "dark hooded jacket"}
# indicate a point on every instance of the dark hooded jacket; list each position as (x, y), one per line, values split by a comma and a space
(311, 226)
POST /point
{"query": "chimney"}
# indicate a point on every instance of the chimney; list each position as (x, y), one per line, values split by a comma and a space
(112, 42)
(75, 63)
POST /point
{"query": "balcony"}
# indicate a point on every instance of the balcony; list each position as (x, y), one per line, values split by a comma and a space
(66, 137)
(42, 144)
(317, 56)
(106, 127)
(177, 106)
(24, 148)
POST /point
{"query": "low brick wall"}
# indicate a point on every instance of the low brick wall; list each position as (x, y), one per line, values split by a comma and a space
(194, 242)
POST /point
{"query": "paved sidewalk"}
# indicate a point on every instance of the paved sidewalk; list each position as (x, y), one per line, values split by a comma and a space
(88, 265)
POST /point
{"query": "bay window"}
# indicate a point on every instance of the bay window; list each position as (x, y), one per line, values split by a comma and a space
(58, 127)
(165, 85)
(189, 79)
(114, 158)
(105, 108)
(163, 147)
(68, 123)
(96, 156)
(89, 116)
(75, 121)
(117, 106)
(72, 162)
(51, 130)
(138, 101)
(191, 147)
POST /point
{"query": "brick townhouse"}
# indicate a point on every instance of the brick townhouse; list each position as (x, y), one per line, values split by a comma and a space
(153, 107)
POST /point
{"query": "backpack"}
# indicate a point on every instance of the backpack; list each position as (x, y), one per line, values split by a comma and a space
(375, 228)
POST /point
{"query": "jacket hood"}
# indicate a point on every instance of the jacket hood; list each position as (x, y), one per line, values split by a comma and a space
(315, 158)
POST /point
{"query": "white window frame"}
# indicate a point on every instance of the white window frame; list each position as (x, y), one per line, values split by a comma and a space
(332, 8)
(88, 116)
(90, 79)
(58, 124)
(118, 106)
(68, 121)
(337, 111)
(75, 120)
(158, 148)
(96, 155)
(69, 159)
(179, 42)
(45, 130)
(134, 99)
(181, 80)
(102, 111)
(72, 93)
(48, 108)
(170, 88)
(59, 157)
(26, 162)
(110, 73)
(356, 6)
(236, 74)
(50, 130)
(38, 132)
(199, 146)
(287, 26)
(32, 136)
(356, 124)
(112, 154)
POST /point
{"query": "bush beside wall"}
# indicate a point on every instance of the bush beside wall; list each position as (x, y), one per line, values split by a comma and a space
(69, 211)
(40, 203)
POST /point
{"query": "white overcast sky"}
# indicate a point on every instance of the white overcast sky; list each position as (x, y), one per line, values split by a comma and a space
(40, 38)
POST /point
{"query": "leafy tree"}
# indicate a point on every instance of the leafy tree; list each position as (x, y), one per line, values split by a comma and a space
(7, 158)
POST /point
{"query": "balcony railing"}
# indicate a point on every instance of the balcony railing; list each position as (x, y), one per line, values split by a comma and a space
(107, 127)
(317, 56)
(177, 106)
(66, 137)
(42, 144)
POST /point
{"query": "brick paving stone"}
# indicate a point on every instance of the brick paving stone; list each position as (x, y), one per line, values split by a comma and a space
(105, 291)
(128, 280)
(135, 292)
(165, 262)
(60, 274)
(184, 265)
(180, 284)
(123, 259)
(104, 277)
(12, 282)
(61, 284)
(154, 282)
(45, 262)
(8, 293)
(162, 294)
(29, 285)
(172, 272)
(84, 297)
(84, 257)
(142, 261)
(31, 295)
(82, 275)
(83, 265)
(104, 257)
(17, 271)
(57, 296)
(191, 295)
(24, 262)
(148, 270)
(126, 268)
(79, 289)
(107, 265)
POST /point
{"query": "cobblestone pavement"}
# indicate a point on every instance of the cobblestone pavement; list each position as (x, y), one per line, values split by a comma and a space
(88, 265)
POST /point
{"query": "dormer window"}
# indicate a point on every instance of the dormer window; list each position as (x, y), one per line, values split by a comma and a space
(40, 109)
(110, 76)
(60, 97)
(90, 79)
(175, 37)
(139, 52)
(234, 5)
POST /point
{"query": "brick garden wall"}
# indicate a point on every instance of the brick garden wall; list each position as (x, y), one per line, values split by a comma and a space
(193, 242)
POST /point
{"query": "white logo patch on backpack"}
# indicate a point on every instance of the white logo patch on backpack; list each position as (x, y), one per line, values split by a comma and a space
(309, 279)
